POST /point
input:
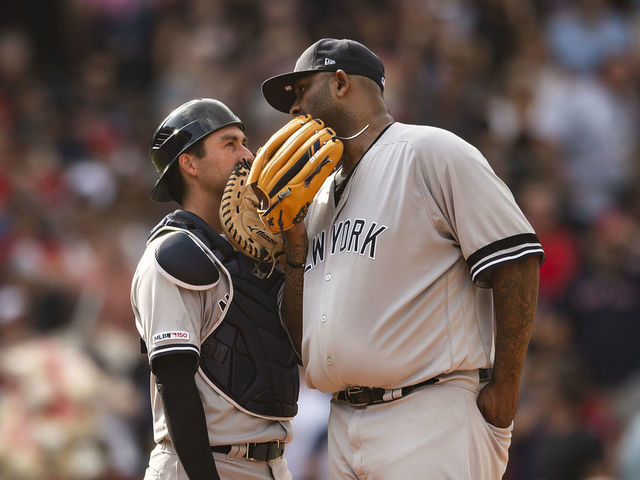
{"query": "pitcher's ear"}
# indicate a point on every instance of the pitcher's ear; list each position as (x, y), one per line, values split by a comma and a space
(342, 82)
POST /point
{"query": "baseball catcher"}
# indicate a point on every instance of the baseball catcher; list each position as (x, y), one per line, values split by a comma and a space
(224, 378)
(273, 194)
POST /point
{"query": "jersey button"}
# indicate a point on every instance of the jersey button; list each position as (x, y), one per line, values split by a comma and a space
(327, 277)
(324, 319)
(329, 361)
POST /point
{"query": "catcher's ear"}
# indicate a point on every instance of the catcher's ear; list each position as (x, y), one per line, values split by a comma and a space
(187, 164)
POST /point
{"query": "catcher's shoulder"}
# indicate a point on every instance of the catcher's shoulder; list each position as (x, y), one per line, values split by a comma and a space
(181, 259)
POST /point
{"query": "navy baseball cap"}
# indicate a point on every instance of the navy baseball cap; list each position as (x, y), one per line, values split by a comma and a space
(326, 55)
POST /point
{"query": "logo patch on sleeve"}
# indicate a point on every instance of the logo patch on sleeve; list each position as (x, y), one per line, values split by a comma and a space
(173, 335)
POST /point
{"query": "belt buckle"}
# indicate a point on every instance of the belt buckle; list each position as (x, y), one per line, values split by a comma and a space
(246, 455)
(273, 451)
(357, 391)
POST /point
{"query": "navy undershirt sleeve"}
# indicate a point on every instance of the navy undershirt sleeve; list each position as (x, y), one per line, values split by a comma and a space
(184, 413)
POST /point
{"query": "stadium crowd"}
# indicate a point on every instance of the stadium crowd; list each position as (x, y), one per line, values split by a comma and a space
(548, 90)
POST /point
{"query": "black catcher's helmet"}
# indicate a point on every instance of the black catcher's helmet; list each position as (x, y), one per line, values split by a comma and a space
(182, 128)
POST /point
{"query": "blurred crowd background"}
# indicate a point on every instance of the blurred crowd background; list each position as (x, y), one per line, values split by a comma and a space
(548, 90)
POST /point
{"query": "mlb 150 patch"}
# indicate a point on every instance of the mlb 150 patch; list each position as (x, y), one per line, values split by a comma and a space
(173, 335)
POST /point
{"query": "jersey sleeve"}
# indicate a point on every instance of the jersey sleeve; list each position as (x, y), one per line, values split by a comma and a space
(170, 319)
(479, 209)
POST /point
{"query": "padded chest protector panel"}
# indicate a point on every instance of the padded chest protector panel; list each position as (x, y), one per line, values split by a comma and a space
(249, 356)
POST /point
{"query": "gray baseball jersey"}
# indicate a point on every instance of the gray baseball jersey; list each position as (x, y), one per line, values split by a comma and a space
(391, 287)
(173, 316)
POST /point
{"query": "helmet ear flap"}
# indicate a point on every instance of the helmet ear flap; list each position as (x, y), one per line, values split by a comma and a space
(174, 183)
(182, 128)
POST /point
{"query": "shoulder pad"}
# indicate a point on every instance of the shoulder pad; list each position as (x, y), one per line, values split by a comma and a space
(184, 262)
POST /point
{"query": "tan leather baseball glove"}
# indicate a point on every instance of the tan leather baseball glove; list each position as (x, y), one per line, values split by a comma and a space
(242, 223)
(290, 169)
(265, 198)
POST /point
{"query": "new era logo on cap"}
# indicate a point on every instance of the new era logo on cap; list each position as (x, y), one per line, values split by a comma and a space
(329, 61)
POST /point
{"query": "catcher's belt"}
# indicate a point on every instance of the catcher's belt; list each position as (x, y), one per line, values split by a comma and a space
(260, 452)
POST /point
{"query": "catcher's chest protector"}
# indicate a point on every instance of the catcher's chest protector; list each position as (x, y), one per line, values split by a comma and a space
(248, 356)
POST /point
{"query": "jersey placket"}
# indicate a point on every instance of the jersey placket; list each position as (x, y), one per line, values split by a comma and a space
(327, 317)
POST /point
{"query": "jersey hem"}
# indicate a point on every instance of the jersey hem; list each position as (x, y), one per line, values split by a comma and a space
(236, 405)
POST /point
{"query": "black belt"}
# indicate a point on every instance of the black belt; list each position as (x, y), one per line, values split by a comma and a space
(261, 452)
(363, 396)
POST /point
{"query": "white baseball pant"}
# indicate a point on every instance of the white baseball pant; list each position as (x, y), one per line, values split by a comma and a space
(435, 432)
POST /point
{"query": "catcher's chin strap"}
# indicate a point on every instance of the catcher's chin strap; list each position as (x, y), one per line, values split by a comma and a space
(353, 136)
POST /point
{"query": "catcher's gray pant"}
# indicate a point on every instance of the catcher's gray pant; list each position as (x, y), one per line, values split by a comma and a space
(165, 465)
(436, 432)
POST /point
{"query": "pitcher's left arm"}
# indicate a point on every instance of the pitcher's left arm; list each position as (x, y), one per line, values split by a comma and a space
(515, 297)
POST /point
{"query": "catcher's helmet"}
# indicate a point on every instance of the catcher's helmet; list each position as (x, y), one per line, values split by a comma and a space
(182, 128)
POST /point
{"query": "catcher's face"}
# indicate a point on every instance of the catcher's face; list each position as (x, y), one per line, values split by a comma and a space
(224, 149)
